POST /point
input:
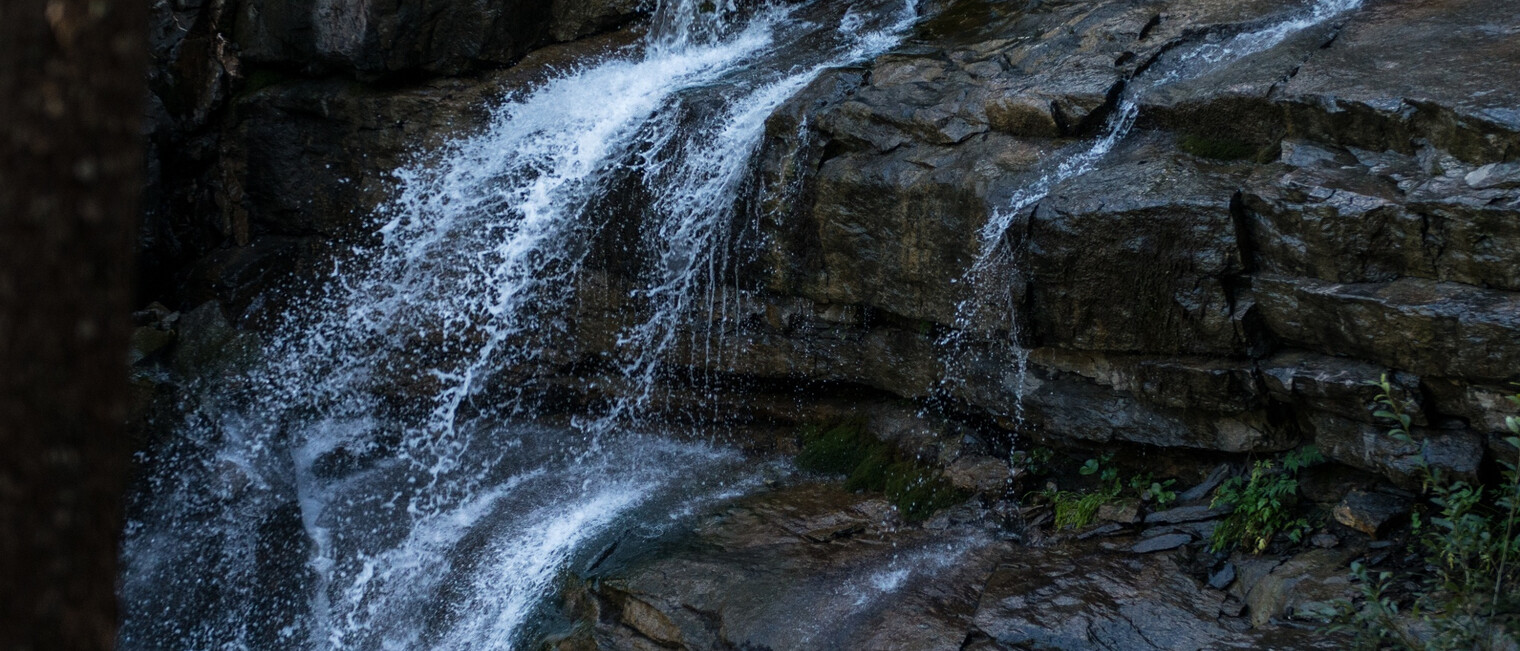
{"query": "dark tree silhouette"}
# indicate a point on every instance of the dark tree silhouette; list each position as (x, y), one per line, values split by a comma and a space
(72, 83)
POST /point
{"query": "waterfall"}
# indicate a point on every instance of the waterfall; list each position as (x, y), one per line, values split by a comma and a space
(378, 480)
(988, 280)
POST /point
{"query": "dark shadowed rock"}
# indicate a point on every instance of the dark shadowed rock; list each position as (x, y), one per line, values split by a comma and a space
(1370, 512)
(1337, 385)
(1161, 543)
(1370, 447)
(1362, 92)
(1147, 239)
(1425, 327)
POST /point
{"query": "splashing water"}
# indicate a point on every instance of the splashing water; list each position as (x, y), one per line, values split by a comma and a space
(374, 481)
(998, 260)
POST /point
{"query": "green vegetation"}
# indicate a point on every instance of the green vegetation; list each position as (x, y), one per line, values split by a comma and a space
(869, 464)
(1263, 504)
(1468, 596)
(1074, 510)
(1217, 148)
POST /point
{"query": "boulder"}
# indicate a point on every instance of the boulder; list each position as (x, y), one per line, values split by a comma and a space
(1369, 512)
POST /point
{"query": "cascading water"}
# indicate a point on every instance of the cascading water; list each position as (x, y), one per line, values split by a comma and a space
(991, 298)
(375, 481)
(381, 479)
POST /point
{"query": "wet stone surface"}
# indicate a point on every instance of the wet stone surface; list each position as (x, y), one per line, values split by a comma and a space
(811, 566)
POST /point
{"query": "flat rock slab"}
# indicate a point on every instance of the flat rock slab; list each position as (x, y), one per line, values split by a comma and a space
(1161, 543)
(1185, 514)
(748, 577)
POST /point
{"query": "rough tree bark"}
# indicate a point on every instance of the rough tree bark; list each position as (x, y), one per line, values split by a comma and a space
(72, 83)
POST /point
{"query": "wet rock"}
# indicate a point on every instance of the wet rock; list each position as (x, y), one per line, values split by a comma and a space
(1369, 447)
(1146, 239)
(650, 621)
(208, 346)
(1070, 598)
(1161, 543)
(1185, 514)
(1223, 578)
(147, 340)
(896, 231)
(1368, 512)
(1302, 587)
(1425, 327)
(978, 474)
(744, 578)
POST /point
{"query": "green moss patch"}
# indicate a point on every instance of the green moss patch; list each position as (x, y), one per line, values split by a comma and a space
(847, 448)
(1217, 148)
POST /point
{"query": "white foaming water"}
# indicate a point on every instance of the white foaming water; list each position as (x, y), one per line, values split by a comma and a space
(988, 277)
(373, 483)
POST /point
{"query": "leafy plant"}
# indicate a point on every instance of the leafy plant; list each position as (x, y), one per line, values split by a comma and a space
(1262, 505)
(1150, 490)
(1034, 462)
(1074, 510)
(1469, 598)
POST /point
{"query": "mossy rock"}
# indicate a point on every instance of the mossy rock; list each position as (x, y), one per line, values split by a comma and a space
(1217, 148)
(869, 464)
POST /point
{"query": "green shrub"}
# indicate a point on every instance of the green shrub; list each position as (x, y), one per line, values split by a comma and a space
(1075, 510)
(1468, 597)
(1262, 506)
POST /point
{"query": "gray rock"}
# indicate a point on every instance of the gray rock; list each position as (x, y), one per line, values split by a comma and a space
(1418, 325)
(1185, 514)
(1223, 578)
(1301, 587)
(1146, 239)
(1369, 447)
(978, 474)
(1161, 543)
(1209, 483)
(1122, 512)
(1368, 512)
(1336, 384)
(1364, 93)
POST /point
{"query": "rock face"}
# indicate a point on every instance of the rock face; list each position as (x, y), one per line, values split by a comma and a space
(1279, 230)
(1276, 232)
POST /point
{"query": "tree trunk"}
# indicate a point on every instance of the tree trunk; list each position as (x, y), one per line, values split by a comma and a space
(72, 84)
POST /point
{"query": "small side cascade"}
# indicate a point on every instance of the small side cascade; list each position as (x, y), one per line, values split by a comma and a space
(992, 283)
